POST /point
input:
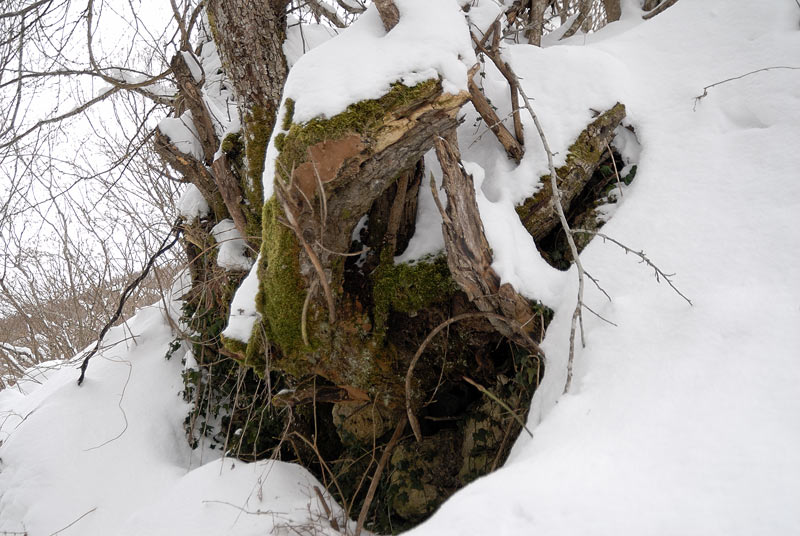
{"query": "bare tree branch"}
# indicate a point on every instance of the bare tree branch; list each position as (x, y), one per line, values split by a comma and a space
(166, 245)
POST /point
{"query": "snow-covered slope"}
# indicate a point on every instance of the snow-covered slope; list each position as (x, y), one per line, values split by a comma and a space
(112, 458)
(681, 420)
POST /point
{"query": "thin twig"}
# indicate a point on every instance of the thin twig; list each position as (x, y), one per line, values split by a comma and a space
(597, 284)
(373, 486)
(659, 274)
(495, 398)
(339, 253)
(598, 315)
(322, 463)
(616, 171)
(68, 526)
(119, 405)
(577, 315)
(705, 89)
(242, 510)
(328, 513)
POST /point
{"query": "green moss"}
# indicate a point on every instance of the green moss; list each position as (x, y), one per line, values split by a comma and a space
(364, 118)
(280, 141)
(288, 116)
(258, 125)
(234, 346)
(407, 288)
(232, 146)
(281, 288)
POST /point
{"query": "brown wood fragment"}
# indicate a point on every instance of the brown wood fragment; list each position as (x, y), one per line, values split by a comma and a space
(660, 9)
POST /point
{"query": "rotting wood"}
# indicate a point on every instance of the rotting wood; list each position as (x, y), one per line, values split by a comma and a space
(364, 167)
(468, 253)
(585, 155)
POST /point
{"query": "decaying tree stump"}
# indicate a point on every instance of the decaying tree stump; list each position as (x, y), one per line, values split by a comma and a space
(350, 344)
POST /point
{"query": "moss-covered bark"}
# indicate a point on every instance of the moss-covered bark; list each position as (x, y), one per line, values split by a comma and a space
(583, 158)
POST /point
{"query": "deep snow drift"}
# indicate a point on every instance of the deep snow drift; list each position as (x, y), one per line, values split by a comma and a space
(681, 420)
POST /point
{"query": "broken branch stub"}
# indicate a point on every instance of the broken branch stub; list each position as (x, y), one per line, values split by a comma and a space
(469, 255)
(513, 148)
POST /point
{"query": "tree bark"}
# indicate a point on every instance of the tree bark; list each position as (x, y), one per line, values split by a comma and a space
(469, 255)
(536, 21)
(659, 9)
(388, 12)
(613, 10)
(249, 36)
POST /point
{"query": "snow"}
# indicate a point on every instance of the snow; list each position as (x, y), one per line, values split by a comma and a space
(192, 204)
(429, 41)
(301, 39)
(217, 91)
(680, 420)
(114, 452)
(232, 247)
(183, 134)
(243, 314)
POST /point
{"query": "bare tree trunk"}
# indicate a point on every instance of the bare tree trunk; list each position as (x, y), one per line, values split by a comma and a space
(536, 21)
(250, 38)
(585, 10)
(613, 10)
(389, 13)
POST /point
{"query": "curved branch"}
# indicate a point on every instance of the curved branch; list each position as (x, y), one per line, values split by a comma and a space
(165, 246)
(412, 419)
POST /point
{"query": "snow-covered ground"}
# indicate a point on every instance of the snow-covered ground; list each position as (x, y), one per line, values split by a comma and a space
(680, 420)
